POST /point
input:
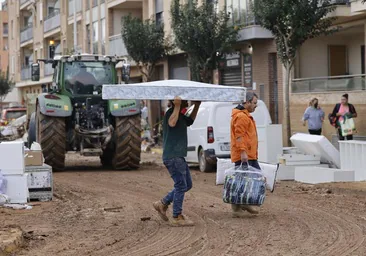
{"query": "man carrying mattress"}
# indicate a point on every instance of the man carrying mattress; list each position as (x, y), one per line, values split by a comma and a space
(244, 142)
(175, 125)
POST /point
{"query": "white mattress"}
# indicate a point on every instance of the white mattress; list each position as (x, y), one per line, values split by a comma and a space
(168, 89)
(317, 145)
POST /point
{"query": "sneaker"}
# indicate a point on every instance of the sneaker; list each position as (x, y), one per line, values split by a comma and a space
(181, 221)
(161, 209)
(250, 209)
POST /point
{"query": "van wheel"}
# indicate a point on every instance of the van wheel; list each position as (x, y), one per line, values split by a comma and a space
(204, 166)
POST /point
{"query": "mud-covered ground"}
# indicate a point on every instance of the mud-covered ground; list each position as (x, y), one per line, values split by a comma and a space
(105, 212)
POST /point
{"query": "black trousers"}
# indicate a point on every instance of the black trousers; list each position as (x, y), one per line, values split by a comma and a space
(315, 132)
(340, 137)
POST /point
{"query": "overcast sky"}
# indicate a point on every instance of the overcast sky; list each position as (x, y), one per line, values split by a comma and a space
(1, 2)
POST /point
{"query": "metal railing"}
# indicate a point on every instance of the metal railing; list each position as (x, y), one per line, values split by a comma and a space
(95, 48)
(329, 83)
(117, 46)
(48, 70)
(71, 6)
(23, 1)
(25, 73)
(52, 21)
(26, 33)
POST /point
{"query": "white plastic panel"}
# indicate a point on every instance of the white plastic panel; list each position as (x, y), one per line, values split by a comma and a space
(17, 188)
(287, 172)
(12, 155)
(353, 156)
(317, 145)
(269, 143)
(315, 175)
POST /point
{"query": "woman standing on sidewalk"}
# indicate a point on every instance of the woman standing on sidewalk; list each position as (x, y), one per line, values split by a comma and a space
(315, 117)
(342, 110)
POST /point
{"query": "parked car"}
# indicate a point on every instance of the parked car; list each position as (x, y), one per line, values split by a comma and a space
(10, 114)
(209, 136)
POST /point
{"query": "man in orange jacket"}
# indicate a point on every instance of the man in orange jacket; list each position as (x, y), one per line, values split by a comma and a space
(244, 142)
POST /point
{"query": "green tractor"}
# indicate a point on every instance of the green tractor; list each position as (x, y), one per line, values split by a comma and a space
(72, 116)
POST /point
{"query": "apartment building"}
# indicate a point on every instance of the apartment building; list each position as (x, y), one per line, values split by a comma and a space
(4, 34)
(329, 66)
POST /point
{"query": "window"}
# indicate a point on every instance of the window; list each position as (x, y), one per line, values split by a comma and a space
(95, 3)
(95, 37)
(88, 41)
(103, 35)
(240, 12)
(12, 29)
(159, 8)
(5, 29)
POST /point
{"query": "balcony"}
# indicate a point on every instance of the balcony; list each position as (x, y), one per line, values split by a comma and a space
(48, 70)
(26, 33)
(52, 21)
(25, 73)
(329, 84)
(71, 7)
(23, 2)
(117, 46)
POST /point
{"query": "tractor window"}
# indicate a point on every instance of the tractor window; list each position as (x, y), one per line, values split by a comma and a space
(87, 77)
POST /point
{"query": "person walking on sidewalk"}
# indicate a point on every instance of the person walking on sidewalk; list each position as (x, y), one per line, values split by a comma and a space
(244, 142)
(175, 144)
(315, 117)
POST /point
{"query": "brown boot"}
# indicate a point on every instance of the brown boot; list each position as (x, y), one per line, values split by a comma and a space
(237, 210)
(181, 221)
(250, 209)
(161, 209)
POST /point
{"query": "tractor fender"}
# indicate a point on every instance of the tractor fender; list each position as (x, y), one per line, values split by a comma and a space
(54, 105)
(124, 107)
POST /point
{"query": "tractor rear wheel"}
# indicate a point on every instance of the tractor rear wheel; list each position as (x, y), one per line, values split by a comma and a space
(51, 135)
(127, 142)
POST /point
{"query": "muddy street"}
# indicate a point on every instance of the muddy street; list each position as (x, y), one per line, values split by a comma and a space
(103, 212)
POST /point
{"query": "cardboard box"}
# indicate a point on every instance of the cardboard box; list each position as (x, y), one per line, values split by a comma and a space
(33, 158)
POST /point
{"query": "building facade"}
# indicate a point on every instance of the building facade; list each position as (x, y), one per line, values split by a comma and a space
(4, 45)
(329, 66)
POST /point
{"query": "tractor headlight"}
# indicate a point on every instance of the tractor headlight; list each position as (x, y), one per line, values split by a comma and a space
(107, 59)
(71, 59)
(114, 60)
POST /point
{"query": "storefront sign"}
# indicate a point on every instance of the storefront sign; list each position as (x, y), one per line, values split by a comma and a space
(248, 71)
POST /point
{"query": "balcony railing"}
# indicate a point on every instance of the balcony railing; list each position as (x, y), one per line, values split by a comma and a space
(48, 70)
(71, 6)
(25, 73)
(95, 48)
(52, 21)
(340, 2)
(117, 46)
(23, 1)
(26, 33)
(330, 83)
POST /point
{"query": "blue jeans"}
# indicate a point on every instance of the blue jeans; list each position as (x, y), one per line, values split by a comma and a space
(179, 171)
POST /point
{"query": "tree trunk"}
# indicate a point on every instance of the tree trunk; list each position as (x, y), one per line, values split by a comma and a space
(286, 115)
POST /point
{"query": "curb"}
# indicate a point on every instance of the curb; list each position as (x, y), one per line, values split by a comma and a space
(11, 239)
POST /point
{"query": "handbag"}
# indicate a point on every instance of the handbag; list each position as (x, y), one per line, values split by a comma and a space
(244, 187)
(347, 126)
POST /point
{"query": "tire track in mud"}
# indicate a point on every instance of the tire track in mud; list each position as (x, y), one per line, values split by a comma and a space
(288, 224)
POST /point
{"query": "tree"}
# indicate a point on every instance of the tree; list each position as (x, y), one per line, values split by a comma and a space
(5, 86)
(292, 22)
(145, 43)
(204, 34)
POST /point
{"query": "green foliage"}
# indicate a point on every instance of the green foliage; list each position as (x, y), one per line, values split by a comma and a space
(145, 43)
(5, 84)
(204, 34)
(292, 22)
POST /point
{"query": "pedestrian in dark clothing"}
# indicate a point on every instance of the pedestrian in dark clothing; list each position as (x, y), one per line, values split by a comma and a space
(174, 152)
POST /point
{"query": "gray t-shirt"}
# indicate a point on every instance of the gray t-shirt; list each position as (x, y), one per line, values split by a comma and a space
(314, 117)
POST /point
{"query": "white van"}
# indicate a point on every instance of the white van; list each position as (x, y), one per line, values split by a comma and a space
(209, 136)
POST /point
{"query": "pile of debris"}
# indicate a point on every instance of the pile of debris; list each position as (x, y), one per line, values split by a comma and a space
(16, 130)
(24, 176)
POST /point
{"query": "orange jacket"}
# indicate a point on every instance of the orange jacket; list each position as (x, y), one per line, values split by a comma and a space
(243, 135)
